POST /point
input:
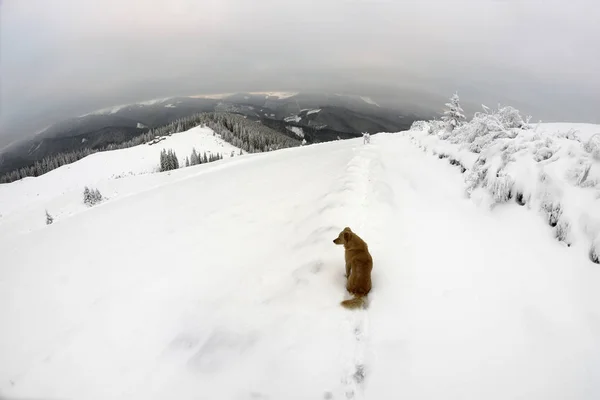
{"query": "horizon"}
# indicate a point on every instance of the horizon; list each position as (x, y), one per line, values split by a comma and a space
(72, 57)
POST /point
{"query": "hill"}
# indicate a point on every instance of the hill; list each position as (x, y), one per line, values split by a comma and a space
(221, 281)
(341, 116)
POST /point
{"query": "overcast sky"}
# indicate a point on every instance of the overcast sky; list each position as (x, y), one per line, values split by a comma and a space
(61, 58)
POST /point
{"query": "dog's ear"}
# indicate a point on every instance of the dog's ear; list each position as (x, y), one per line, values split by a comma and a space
(346, 236)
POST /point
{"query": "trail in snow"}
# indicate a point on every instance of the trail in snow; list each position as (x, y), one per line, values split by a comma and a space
(224, 284)
(359, 185)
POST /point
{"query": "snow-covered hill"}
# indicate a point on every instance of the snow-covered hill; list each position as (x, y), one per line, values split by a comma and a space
(23, 203)
(221, 281)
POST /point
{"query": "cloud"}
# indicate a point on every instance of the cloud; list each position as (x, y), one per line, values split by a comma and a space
(65, 57)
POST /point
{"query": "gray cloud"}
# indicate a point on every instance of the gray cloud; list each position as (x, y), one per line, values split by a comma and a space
(67, 57)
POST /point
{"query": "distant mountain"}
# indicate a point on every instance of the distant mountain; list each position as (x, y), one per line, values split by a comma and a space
(319, 117)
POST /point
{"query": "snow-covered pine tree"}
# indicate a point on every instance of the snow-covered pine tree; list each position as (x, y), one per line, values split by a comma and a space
(49, 218)
(91, 196)
(187, 161)
(194, 157)
(454, 115)
(163, 160)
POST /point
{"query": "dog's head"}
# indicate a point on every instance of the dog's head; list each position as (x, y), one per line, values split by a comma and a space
(343, 237)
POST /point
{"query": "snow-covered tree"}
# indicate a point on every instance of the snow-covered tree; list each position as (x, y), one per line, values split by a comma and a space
(454, 115)
(194, 159)
(91, 196)
(168, 160)
(49, 218)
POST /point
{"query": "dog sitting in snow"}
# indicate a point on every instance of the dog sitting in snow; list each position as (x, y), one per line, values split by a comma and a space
(358, 267)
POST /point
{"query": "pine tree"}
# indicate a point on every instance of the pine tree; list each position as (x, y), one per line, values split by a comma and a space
(91, 196)
(194, 157)
(454, 115)
(49, 218)
(187, 161)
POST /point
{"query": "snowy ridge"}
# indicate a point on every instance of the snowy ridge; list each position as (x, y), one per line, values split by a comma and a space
(297, 130)
(29, 197)
(208, 280)
(292, 118)
(368, 100)
(364, 185)
(553, 169)
(116, 109)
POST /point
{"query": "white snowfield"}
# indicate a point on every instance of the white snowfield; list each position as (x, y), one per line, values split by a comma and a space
(221, 281)
(60, 191)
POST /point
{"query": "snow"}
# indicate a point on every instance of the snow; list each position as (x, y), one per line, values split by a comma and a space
(297, 130)
(22, 200)
(140, 125)
(215, 96)
(369, 100)
(170, 106)
(313, 111)
(117, 108)
(153, 101)
(206, 282)
(280, 95)
(552, 169)
(292, 118)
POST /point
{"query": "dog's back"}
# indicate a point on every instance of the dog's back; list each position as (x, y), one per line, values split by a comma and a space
(358, 267)
(361, 263)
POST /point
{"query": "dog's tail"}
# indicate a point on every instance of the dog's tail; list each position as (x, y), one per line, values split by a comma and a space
(357, 301)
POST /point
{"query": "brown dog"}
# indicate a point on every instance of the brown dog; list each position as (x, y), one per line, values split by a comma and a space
(358, 267)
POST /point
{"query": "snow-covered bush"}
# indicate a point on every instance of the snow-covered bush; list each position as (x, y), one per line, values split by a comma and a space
(552, 210)
(579, 174)
(595, 252)
(91, 197)
(543, 153)
(549, 169)
(562, 232)
(419, 126)
(476, 175)
(593, 146)
(510, 118)
(500, 188)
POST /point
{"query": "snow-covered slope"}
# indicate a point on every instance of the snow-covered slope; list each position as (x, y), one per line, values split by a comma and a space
(221, 281)
(552, 169)
(60, 190)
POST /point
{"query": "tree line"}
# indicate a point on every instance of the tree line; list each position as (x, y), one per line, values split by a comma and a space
(250, 136)
(54, 161)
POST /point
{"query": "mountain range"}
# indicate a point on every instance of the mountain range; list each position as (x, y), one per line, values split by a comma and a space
(316, 117)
